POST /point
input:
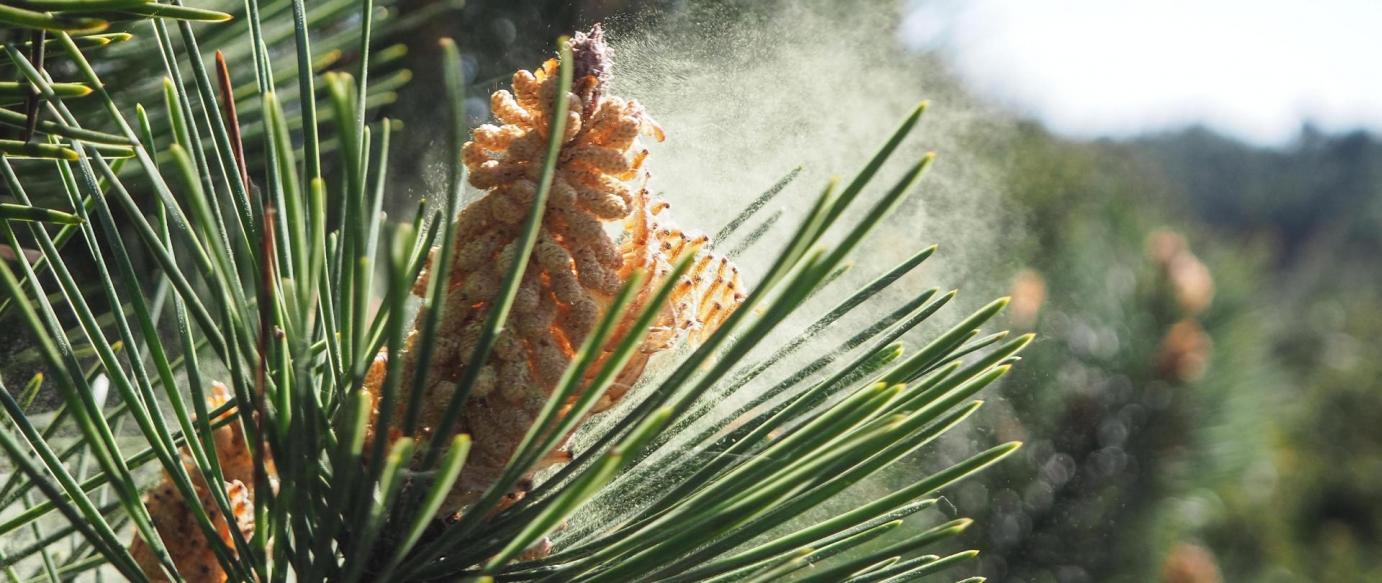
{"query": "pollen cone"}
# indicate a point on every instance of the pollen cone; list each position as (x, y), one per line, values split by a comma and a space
(599, 226)
(175, 520)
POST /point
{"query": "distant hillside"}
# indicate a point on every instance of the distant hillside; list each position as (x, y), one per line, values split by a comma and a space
(1320, 191)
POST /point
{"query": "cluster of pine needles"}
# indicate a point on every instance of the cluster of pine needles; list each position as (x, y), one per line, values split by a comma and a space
(210, 233)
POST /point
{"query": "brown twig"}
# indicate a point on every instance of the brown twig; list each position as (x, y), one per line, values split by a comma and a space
(36, 56)
(267, 280)
(268, 277)
(232, 121)
(267, 332)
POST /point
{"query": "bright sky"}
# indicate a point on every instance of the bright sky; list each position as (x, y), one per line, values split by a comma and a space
(1256, 70)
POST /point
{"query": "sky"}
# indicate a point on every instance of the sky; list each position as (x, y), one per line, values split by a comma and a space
(1255, 70)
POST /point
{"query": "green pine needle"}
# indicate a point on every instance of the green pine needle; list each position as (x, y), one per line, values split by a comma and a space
(287, 288)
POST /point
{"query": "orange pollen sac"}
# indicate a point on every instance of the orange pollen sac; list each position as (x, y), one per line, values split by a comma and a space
(174, 517)
(599, 227)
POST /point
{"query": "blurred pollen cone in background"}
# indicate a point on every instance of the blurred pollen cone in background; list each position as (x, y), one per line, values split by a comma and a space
(1188, 277)
(1190, 563)
(1028, 294)
(1184, 353)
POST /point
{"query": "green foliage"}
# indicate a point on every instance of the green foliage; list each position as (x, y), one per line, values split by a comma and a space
(266, 251)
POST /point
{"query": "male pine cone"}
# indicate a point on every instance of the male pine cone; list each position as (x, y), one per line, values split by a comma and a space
(597, 230)
(186, 542)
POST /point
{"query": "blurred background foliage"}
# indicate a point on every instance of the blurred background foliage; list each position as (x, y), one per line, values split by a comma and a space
(1203, 402)
(1183, 429)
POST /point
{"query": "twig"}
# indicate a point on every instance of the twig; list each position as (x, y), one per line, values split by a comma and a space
(232, 121)
(36, 54)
